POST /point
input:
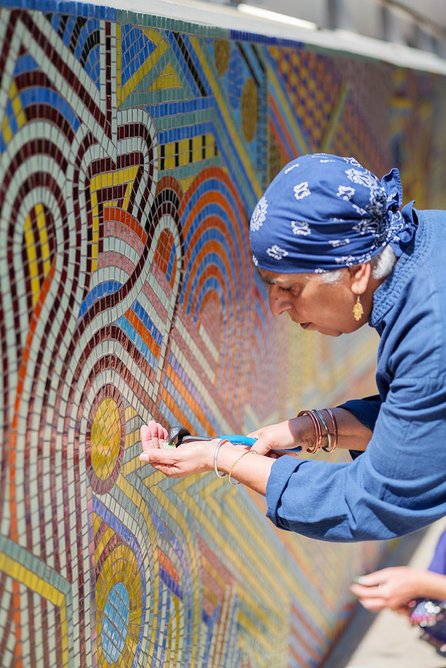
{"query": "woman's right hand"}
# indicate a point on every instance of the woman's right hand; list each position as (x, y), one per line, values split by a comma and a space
(299, 431)
(285, 435)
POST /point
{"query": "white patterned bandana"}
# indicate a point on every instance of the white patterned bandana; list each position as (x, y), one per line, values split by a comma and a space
(323, 212)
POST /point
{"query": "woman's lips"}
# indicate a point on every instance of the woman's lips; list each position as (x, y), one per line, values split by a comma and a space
(304, 325)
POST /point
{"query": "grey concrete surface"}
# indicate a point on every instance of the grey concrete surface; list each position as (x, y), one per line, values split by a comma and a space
(386, 640)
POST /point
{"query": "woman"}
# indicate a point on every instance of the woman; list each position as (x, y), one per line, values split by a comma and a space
(330, 241)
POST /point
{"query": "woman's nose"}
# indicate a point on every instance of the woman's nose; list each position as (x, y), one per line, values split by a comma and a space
(279, 301)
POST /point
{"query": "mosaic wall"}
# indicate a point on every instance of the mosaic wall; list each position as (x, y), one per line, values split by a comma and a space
(132, 151)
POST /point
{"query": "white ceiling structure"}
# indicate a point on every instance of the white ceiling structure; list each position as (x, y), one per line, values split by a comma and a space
(407, 33)
(420, 24)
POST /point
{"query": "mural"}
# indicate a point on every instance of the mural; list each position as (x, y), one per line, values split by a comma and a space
(132, 151)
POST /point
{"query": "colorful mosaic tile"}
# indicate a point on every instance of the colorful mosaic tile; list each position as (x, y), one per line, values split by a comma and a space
(132, 151)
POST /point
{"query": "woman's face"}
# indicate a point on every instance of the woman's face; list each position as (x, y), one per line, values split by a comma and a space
(314, 304)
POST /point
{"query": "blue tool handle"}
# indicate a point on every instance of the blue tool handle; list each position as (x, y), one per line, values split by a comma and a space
(239, 439)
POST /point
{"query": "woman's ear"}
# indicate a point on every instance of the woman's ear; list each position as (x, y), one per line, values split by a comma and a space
(360, 277)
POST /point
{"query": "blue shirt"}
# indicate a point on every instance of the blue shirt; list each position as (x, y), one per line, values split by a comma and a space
(399, 483)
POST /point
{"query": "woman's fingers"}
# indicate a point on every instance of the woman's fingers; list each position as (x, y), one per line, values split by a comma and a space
(274, 437)
(163, 460)
(255, 434)
(260, 446)
(146, 436)
(156, 456)
(153, 435)
(177, 462)
(159, 433)
(168, 461)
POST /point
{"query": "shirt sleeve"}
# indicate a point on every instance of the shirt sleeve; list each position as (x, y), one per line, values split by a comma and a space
(397, 486)
(365, 410)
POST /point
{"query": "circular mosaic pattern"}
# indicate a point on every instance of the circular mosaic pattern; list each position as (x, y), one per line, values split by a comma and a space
(250, 109)
(222, 50)
(119, 603)
(115, 623)
(105, 439)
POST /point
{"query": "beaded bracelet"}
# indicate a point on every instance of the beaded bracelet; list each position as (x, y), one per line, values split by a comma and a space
(247, 452)
(216, 451)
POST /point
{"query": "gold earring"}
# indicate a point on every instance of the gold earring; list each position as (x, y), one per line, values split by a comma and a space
(358, 311)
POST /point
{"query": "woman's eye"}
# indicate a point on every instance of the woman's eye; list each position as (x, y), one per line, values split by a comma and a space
(292, 289)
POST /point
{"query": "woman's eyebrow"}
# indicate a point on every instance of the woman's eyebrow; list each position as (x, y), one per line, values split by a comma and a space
(278, 283)
(269, 281)
(275, 281)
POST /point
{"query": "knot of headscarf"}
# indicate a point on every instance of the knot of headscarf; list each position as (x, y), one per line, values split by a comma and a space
(323, 212)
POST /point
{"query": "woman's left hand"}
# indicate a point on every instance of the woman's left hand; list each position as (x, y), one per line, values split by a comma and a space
(199, 457)
(192, 457)
(153, 435)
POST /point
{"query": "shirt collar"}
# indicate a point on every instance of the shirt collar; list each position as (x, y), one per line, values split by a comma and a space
(389, 292)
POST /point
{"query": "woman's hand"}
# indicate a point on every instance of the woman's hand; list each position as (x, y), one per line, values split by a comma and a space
(299, 431)
(198, 457)
(192, 457)
(153, 435)
(285, 435)
(392, 588)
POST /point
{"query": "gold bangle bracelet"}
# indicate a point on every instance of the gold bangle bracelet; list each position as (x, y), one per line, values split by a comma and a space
(329, 447)
(335, 427)
(236, 482)
(317, 430)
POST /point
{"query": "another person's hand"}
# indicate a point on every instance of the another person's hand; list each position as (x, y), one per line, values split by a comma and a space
(394, 588)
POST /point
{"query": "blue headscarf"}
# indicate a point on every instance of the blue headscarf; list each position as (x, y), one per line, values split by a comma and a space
(323, 212)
